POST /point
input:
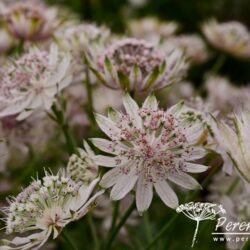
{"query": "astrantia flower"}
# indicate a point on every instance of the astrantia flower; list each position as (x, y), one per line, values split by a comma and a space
(135, 65)
(225, 96)
(192, 45)
(232, 37)
(237, 143)
(82, 39)
(150, 147)
(82, 167)
(152, 29)
(29, 20)
(32, 81)
(44, 208)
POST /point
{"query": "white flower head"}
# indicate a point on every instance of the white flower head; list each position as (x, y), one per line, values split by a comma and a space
(150, 147)
(236, 142)
(192, 45)
(135, 65)
(152, 29)
(30, 20)
(32, 81)
(232, 37)
(81, 167)
(44, 208)
(84, 39)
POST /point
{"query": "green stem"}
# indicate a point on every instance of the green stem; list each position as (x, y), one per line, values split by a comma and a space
(119, 226)
(218, 64)
(169, 223)
(60, 119)
(90, 108)
(93, 232)
(161, 232)
(233, 186)
(147, 226)
(71, 144)
(69, 241)
(114, 217)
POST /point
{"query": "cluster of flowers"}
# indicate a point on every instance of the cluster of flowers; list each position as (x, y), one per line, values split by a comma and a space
(57, 71)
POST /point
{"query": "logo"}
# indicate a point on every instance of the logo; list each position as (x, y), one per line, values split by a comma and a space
(199, 211)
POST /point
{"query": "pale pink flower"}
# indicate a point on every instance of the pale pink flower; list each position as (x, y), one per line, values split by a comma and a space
(152, 29)
(82, 39)
(44, 208)
(150, 147)
(29, 20)
(32, 81)
(232, 37)
(192, 45)
(135, 65)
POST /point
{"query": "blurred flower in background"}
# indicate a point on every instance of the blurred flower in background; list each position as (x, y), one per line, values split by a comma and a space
(193, 46)
(32, 81)
(29, 20)
(232, 37)
(152, 29)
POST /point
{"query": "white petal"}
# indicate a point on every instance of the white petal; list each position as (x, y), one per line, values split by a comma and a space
(107, 161)
(132, 108)
(33, 241)
(84, 193)
(84, 209)
(124, 185)
(150, 103)
(144, 193)
(88, 149)
(107, 146)
(114, 115)
(184, 180)
(197, 153)
(17, 105)
(194, 168)
(107, 126)
(166, 193)
(111, 177)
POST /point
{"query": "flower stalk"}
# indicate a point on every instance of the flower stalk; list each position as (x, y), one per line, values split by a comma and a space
(68, 240)
(61, 121)
(116, 230)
